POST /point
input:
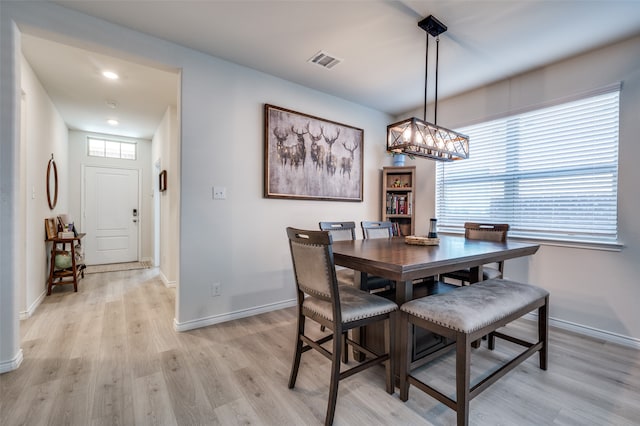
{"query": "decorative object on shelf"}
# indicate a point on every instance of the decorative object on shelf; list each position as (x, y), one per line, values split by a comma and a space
(51, 231)
(162, 181)
(418, 137)
(52, 183)
(63, 260)
(433, 228)
(398, 160)
(421, 241)
(307, 157)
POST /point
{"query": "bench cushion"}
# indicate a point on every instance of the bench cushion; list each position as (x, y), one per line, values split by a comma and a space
(467, 309)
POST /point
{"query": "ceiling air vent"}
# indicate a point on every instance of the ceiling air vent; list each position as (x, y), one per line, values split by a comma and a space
(324, 60)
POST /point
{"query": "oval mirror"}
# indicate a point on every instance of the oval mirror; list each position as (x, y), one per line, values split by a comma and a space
(52, 183)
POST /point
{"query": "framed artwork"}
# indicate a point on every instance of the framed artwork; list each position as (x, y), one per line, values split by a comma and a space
(50, 228)
(307, 157)
(162, 181)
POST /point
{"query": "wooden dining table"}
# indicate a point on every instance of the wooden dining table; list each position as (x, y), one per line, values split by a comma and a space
(395, 260)
(403, 263)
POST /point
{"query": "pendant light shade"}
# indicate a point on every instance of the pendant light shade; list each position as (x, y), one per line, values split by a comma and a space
(420, 138)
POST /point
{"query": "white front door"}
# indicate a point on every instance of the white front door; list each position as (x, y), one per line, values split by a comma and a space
(111, 215)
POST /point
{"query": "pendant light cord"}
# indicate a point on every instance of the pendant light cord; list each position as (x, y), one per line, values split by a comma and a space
(426, 79)
(426, 73)
(435, 113)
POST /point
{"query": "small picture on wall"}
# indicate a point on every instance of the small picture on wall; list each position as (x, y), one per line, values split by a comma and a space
(162, 185)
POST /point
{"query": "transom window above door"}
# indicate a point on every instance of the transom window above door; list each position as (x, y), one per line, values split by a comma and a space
(111, 149)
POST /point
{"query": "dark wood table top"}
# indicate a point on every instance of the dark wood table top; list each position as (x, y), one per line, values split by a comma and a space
(398, 261)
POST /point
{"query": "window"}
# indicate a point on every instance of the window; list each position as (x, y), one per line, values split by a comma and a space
(550, 173)
(111, 149)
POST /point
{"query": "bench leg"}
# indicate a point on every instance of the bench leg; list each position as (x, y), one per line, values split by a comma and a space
(491, 342)
(543, 332)
(463, 373)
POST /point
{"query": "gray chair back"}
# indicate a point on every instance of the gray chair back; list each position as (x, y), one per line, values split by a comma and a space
(376, 229)
(486, 231)
(313, 264)
(340, 231)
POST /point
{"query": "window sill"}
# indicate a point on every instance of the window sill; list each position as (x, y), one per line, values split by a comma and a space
(585, 245)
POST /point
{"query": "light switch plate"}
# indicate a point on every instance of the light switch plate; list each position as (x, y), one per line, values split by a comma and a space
(219, 193)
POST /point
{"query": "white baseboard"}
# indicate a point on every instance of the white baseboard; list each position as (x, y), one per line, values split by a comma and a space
(166, 282)
(31, 309)
(12, 364)
(595, 333)
(216, 319)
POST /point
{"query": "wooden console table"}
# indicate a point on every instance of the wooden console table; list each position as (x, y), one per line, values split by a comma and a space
(68, 275)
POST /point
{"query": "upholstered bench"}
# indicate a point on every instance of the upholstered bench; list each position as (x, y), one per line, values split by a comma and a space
(465, 315)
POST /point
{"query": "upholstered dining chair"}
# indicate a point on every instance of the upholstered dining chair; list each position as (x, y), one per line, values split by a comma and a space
(485, 232)
(338, 307)
(376, 229)
(341, 231)
(347, 231)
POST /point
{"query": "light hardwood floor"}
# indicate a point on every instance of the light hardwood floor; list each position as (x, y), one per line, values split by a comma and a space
(108, 355)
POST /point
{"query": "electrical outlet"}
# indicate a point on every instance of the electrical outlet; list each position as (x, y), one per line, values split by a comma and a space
(219, 193)
(215, 289)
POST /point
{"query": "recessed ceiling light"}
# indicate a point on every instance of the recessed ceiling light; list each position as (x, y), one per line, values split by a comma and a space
(110, 75)
(112, 122)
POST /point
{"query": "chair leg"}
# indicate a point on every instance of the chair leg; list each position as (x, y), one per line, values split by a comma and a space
(389, 345)
(335, 376)
(543, 332)
(345, 348)
(405, 355)
(298, 353)
(463, 372)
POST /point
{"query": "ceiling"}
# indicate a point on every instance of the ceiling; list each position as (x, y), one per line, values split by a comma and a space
(379, 43)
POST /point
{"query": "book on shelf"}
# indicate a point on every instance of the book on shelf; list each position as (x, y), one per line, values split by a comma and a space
(402, 205)
(399, 204)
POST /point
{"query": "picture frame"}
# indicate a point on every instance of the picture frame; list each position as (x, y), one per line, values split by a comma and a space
(311, 158)
(51, 230)
(162, 181)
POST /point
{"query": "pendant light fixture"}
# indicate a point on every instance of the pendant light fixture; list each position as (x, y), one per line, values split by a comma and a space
(420, 138)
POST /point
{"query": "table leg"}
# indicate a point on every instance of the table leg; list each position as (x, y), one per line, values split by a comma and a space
(475, 274)
(404, 293)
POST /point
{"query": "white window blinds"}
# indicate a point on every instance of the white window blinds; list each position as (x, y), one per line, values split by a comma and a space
(550, 173)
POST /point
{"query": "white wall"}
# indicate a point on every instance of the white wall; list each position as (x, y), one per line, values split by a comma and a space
(45, 134)
(240, 242)
(592, 291)
(166, 151)
(78, 157)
